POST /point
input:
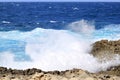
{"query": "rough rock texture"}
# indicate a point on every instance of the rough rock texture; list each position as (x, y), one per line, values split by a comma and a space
(4, 70)
(106, 49)
(74, 74)
(115, 70)
(101, 49)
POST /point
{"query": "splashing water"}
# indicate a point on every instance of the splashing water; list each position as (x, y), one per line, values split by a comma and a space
(82, 27)
(49, 49)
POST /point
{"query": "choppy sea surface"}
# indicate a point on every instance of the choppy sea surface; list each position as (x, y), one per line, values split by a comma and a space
(56, 36)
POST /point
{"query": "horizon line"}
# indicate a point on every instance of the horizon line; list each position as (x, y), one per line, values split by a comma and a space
(63, 1)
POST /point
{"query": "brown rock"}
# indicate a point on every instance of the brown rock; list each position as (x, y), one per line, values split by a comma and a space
(105, 48)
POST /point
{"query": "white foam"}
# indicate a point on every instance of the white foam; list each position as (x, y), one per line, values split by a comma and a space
(59, 49)
(75, 8)
(5, 22)
(52, 21)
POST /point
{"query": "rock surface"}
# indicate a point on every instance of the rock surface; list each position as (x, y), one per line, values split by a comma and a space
(74, 74)
(103, 48)
(106, 49)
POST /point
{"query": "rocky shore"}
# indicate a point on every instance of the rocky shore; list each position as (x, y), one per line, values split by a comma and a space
(101, 49)
(74, 74)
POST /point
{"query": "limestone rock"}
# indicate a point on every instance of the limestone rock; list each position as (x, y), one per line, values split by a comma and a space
(105, 49)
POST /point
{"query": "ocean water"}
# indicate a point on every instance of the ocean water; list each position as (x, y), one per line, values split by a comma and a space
(56, 36)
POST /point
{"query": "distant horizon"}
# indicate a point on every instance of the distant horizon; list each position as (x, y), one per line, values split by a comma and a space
(59, 1)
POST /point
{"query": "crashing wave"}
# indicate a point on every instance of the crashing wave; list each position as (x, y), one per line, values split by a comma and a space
(50, 49)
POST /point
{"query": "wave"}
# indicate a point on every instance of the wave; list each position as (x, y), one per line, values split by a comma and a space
(50, 49)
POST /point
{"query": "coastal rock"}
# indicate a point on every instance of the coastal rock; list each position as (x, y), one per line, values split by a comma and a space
(74, 74)
(115, 70)
(106, 49)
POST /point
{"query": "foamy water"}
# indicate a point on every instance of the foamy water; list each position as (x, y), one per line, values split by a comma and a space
(50, 49)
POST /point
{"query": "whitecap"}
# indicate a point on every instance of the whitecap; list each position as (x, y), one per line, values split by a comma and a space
(6, 22)
(52, 21)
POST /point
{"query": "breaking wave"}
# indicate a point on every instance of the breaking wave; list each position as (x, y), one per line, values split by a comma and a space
(50, 49)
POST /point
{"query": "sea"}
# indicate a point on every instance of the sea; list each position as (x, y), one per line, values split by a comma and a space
(56, 35)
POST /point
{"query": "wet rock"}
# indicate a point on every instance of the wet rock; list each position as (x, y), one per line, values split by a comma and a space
(114, 70)
(105, 49)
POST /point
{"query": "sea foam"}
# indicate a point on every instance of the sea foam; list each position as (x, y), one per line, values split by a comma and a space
(50, 49)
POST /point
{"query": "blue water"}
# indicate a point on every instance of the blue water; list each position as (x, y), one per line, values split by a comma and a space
(30, 29)
(28, 16)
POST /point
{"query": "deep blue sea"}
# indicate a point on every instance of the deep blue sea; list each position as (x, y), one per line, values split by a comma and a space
(28, 16)
(56, 36)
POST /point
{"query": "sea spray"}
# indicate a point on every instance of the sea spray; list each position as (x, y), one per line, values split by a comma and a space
(82, 27)
(50, 49)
